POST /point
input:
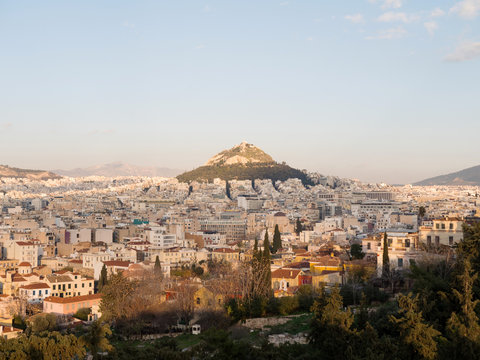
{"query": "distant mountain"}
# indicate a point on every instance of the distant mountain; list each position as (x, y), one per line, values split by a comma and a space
(7, 171)
(243, 162)
(470, 176)
(119, 169)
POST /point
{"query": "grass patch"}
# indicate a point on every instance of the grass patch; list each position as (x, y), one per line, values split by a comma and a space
(186, 340)
(296, 325)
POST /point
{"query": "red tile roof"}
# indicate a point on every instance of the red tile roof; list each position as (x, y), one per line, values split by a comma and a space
(73, 299)
(35, 286)
(285, 274)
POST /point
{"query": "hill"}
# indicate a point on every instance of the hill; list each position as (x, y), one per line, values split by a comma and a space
(11, 172)
(243, 162)
(470, 176)
(119, 169)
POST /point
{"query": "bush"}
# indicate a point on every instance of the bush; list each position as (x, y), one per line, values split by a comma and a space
(82, 314)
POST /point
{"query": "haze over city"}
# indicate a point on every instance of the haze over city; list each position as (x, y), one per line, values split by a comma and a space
(375, 90)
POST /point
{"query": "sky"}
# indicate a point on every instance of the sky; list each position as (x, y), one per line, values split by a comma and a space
(378, 90)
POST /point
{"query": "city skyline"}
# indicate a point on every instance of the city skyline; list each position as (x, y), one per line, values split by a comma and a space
(169, 85)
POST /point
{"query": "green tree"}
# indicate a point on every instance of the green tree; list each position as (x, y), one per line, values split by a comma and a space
(228, 190)
(157, 268)
(331, 326)
(277, 240)
(356, 251)
(463, 328)
(298, 227)
(386, 259)
(103, 280)
(418, 337)
(421, 212)
(96, 338)
(266, 261)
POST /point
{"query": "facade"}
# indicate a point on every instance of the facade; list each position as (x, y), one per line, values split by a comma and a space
(446, 231)
(70, 305)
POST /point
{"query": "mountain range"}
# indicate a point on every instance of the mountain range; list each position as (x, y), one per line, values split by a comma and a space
(243, 162)
(11, 172)
(470, 176)
(119, 169)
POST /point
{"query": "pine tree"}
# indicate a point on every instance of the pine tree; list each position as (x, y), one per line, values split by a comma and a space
(417, 336)
(386, 260)
(103, 280)
(463, 328)
(277, 240)
(266, 247)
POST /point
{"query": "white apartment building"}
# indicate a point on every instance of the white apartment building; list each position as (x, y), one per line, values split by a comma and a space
(158, 237)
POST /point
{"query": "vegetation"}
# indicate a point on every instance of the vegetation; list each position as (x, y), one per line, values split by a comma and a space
(273, 171)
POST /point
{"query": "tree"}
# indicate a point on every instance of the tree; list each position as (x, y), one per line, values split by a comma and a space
(266, 258)
(96, 338)
(463, 328)
(386, 260)
(277, 240)
(103, 280)
(157, 268)
(298, 227)
(356, 251)
(421, 212)
(331, 326)
(118, 300)
(418, 337)
(228, 190)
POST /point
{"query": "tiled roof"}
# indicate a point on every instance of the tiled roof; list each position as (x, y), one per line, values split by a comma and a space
(285, 274)
(35, 286)
(73, 299)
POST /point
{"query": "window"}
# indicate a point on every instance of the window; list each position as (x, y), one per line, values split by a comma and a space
(407, 242)
(450, 240)
(83, 285)
(443, 226)
(400, 262)
(33, 292)
(450, 226)
(390, 242)
(54, 287)
(198, 301)
(437, 240)
(437, 226)
(75, 286)
(69, 286)
(369, 246)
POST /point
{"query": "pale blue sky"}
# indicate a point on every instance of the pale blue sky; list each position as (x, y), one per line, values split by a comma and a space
(384, 90)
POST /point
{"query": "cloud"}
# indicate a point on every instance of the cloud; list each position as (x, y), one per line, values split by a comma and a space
(392, 4)
(389, 34)
(431, 26)
(392, 16)
(388, 4)
(128, 24)
(355, 18)
(467, 9)
(468, 50)
(437, 12)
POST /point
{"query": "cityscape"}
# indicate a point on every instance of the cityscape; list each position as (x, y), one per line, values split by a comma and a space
(240, 180)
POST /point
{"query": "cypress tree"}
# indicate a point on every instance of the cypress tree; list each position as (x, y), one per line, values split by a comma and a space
(103, 280)
(386, 260)
(277, 240)
(266, 263)
(157, 268)
(298, 227)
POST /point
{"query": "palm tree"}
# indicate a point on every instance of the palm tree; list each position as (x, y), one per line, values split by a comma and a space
(96, 338)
